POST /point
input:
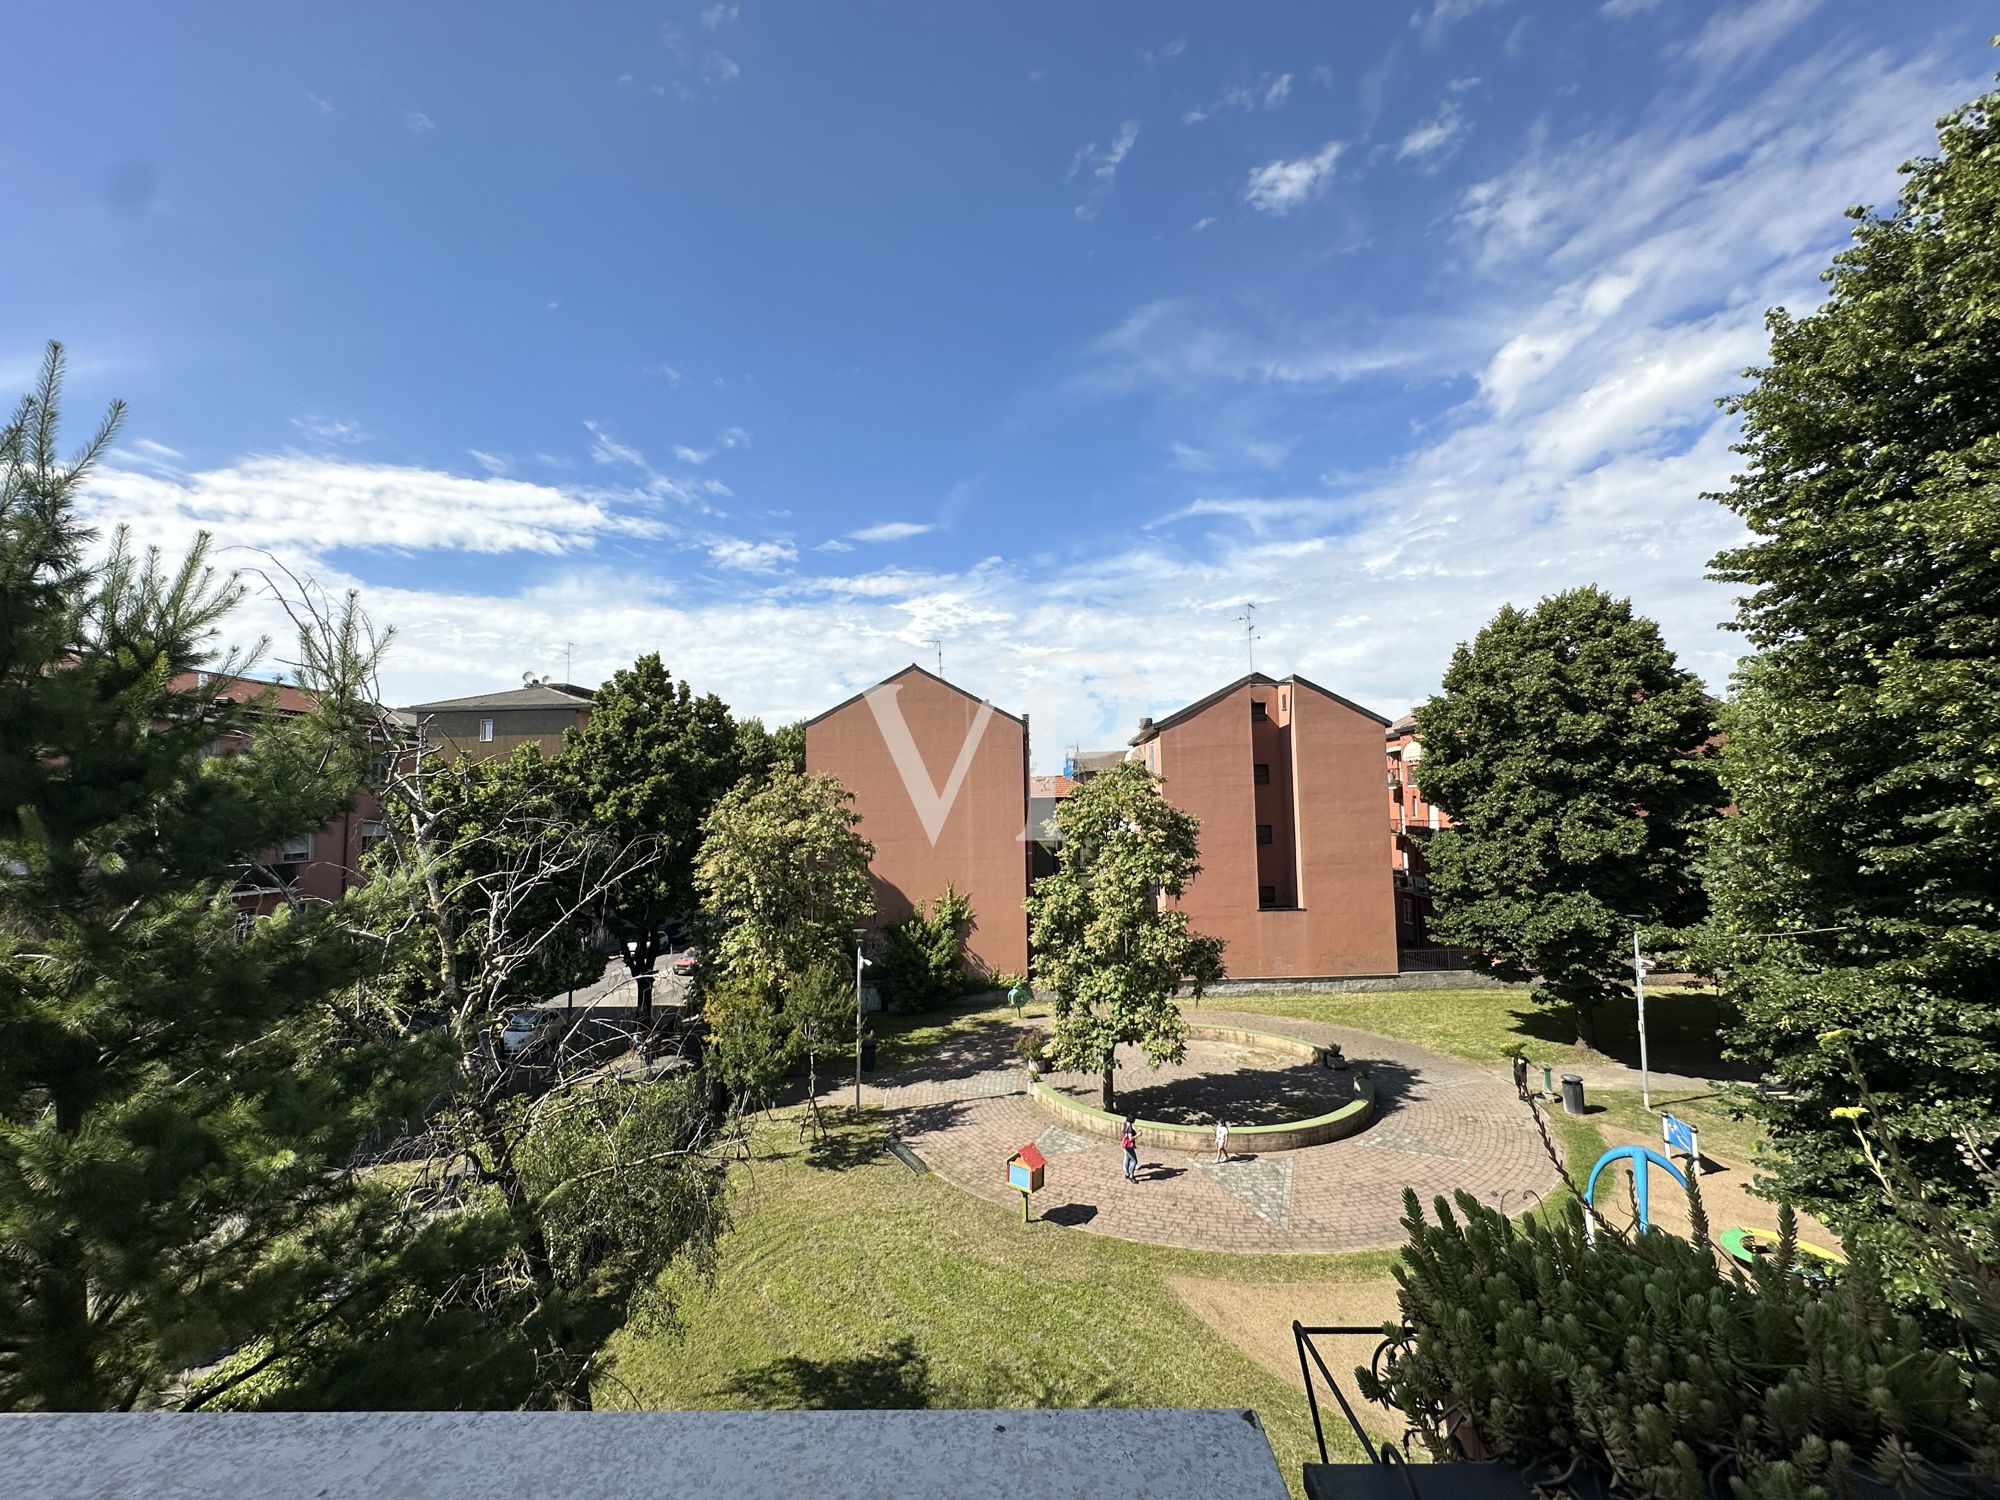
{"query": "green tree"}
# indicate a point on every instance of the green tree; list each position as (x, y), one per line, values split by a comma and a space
(1569, 747)
(1107, 946)
(783, 877)
(179, 1097)
(923, 956)
(1855, 889)
(649, 764)
(759, 750)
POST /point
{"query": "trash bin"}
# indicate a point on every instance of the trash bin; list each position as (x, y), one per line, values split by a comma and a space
(868, 1056)
(1572, 1093)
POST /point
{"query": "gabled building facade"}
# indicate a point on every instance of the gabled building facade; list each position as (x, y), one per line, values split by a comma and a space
(940, 779)
(488, 726)
(1286, 778)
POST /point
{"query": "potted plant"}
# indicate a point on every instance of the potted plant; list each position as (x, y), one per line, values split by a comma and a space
(1033, 1049)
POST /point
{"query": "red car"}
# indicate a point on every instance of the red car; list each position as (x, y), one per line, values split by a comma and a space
(683, 964)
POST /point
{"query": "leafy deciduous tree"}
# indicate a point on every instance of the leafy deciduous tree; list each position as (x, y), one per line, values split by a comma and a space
(1107, 947)
(1857, 890)
(1568, 746)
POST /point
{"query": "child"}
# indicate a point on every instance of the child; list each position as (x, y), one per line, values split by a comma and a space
(1129, 1139)
(1221, 1139)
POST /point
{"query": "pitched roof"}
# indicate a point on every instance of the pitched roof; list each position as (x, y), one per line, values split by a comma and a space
(894, 676)
(1096, 760)
(536, 695)
(1051, 786)
(1249, 679)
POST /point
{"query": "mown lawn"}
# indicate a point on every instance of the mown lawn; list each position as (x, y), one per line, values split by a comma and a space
(1683, 1028)
(1731, 1140)
(848, 1282)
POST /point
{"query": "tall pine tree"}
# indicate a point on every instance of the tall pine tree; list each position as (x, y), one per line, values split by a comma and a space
(177, 1095)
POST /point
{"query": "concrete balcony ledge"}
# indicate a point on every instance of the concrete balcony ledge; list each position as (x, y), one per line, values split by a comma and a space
(745, 1455)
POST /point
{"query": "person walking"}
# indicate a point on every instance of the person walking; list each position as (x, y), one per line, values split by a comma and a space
(1129, 1139)
(1221, 1140)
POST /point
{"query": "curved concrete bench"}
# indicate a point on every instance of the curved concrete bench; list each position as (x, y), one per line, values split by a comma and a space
(1292, 1135)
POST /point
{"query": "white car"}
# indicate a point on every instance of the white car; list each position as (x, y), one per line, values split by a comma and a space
(519, 1030)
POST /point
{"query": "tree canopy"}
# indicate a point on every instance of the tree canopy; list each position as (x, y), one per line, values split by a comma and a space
(1568, 746)
(783, 877)
(649, 763)
(1108, 947)
(1857, 890)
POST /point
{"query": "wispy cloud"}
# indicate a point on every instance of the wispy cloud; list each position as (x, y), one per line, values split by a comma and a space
(1433, 141)
(718, 16)
(1278, 187)
(418, 123)
(751, 557)
(1164, 51)
(716, 68)
(1442, 15)
(1620, 10)
(1268, 91)
(889, 531)
(1737, 36)
(324, 109)
(662, 372)
(492, 463)
(1099, 166)
(330, 430)
(1202, 223)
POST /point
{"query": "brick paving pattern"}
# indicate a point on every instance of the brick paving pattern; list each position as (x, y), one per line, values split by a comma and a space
(1441, 1125)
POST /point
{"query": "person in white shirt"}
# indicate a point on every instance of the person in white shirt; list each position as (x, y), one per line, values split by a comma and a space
(1221, 1139)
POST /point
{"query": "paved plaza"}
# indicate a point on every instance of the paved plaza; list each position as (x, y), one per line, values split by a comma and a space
(1441, 1125)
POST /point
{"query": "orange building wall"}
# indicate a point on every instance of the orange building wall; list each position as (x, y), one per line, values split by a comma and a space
(1325, 805)
(979, 848)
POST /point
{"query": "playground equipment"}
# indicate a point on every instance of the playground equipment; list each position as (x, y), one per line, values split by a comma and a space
(1642, 1159)
(1749, 1246)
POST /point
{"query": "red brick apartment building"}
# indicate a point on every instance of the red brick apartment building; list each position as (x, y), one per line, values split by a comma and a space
(319, 865)
(1412, 820)
(1286, 779)
(940, 779)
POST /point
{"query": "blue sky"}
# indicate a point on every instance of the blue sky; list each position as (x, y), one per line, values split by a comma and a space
(788, 339)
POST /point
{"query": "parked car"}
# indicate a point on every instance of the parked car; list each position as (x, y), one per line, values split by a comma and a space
(684, 963)
(519, 1030)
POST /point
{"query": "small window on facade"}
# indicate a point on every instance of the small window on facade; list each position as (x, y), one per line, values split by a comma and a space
(486, 729)
(1260, 711)
(373, 834)
(1434, 818)
(298, 849)
(1267, 895)
(1263, 774)
(1263, 833)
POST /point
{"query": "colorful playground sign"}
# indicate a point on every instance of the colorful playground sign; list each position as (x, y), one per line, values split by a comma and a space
(1024, 1174)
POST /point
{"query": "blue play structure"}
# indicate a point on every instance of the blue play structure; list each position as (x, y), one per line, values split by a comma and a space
(1641, 1158)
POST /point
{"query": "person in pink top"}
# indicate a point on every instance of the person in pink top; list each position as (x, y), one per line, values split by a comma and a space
(1129, 1139)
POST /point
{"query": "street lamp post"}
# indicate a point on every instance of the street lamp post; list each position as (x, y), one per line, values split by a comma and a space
(1639, 986)
(859, 964)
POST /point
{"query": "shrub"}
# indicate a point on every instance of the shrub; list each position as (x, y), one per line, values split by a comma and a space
(923, 957)
(1649, 1366)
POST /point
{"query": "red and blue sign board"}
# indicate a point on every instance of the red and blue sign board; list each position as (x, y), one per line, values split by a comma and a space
(1024, 1169)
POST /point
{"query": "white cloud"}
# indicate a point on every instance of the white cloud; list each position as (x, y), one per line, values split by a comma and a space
(606, 449)
(693, 455)
(1278, 187)
(156, 450)
(1202, 223)
(1269, 91)
(1102, 166)
(716, 68)
(319, 104)
(1620, 10)
(1737, 35)
(1445, 14)
(329, 430)
(1434, 140)
(718, 16)
(751, 557)
(417, 122)
(1174, 48)
(492, 463)
(664, 372)
(889, 531)
(1279, 91)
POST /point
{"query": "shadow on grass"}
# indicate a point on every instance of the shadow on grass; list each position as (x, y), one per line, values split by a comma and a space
(1684, 1033)
(847, 1143)
(897, 1378)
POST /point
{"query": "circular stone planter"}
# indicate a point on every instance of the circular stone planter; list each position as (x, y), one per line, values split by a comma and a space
(1293, 1135)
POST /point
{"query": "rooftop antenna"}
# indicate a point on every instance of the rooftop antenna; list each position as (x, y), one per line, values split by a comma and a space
(1249, 621)
(568, 647)
(932, 640)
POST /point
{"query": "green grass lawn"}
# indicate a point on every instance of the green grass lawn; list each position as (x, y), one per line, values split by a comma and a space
(848, 1282)
(1683, 1028)
(1731, 1140)
(901, 1037)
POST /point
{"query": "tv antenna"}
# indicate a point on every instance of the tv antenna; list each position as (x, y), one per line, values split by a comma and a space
(933, 641)
(1248, 619)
